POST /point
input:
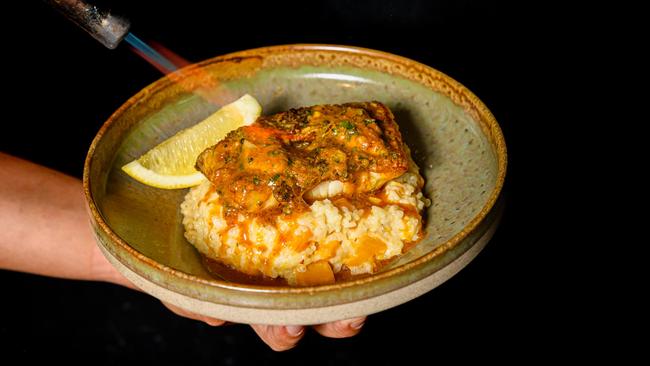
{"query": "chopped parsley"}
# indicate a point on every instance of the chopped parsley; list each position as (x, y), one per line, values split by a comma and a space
(347, 124)
(274, 179)
(350, 128)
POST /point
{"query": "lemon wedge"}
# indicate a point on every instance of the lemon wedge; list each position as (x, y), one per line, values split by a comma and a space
(170, 165)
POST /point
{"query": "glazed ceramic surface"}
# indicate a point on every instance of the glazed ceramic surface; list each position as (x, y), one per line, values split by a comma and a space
(453, 137)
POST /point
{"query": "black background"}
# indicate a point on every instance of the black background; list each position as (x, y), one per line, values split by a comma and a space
(63, 85)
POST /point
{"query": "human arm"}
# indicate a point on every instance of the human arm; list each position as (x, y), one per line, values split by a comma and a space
(44, 230)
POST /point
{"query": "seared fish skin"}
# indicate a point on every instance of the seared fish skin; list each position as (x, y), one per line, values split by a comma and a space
(283, 159)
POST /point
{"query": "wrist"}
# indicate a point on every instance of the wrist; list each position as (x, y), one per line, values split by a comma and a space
(102, 270)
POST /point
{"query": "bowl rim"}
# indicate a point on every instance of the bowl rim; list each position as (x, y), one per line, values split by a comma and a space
(487, 116)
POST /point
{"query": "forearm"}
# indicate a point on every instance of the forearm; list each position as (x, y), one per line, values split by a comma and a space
(44, 228)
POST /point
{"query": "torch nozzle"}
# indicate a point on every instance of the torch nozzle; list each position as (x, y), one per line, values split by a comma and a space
(107, 28)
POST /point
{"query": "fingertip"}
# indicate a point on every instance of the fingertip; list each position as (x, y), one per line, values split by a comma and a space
(342, 328)
(279, 338)
(214, 322)
(294, 330)
(356, 324)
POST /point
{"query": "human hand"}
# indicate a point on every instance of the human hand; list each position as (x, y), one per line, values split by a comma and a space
(282, 338)
(279, 338)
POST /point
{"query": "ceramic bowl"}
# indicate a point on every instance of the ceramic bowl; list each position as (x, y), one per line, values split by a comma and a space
(453, 136)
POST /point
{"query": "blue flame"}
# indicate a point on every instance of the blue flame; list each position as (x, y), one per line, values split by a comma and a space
(150, 53)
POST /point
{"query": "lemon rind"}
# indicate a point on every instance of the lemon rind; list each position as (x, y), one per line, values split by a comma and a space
(149, 177)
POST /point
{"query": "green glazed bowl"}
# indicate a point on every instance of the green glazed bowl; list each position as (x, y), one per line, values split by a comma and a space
(453, 137)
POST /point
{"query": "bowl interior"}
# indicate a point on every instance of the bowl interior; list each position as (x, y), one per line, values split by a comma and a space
(451, 147)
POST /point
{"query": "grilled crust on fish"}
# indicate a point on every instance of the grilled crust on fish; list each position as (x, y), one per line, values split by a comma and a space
(305, 154)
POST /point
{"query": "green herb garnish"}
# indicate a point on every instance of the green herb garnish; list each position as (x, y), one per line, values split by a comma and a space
(347, 124)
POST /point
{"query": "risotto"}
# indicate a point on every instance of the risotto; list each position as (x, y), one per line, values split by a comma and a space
(290, 198)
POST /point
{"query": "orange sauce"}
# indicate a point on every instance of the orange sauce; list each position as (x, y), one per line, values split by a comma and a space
(224, 272)
(327, 250)
(317, 273)
(367, 247)
(209, 193)
(297, 240)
